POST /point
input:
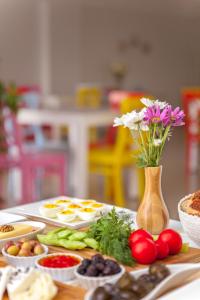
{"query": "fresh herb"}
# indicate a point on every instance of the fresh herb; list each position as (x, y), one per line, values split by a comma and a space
(111, 232)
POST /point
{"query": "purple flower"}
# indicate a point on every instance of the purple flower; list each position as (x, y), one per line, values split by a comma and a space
(155, 115)
(175, 117)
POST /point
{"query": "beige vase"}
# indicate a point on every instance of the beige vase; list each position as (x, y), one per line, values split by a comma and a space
(152, 214)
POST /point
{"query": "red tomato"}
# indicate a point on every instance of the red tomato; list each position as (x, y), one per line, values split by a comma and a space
(162, 248)
(144, 251)
(136, 235)
(173, 239)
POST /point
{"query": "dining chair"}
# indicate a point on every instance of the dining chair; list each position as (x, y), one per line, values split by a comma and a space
(110, 160)
(88, 96)
(31, 164)
(191, 104)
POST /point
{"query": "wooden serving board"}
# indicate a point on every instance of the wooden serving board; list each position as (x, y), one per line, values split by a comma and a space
(68, 292)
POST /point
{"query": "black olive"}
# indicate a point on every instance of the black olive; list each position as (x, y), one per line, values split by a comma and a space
(100, 294)
(97, 258)
(107, 271)
(159, 271)
(91, 271)
(139, 289)
(111, 289)
(86, 262)
(148, 281)
(125, 281)
(100, 266)
(127, 295)
(81, 270)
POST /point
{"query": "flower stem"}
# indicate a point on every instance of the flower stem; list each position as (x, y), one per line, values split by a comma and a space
(143, 144)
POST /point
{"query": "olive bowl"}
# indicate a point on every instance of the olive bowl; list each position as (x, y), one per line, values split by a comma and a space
(91, 283)
(136, 274)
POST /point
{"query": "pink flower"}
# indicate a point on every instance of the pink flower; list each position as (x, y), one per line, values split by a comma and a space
(155, 115)
(175, 117)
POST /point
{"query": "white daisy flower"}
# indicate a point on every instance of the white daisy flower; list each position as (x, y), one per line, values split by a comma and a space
(148, 103)
(134, 121)
(118, 122)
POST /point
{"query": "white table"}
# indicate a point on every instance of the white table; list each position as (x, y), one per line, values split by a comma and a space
(78, 123)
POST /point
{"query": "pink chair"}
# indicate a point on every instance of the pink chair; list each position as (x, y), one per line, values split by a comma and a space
(30, 163)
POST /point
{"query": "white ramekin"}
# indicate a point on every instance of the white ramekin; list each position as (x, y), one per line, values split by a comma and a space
(89, 283)
(60, 274)
(23, 261)
(190, 223)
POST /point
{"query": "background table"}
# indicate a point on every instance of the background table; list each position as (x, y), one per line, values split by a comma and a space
(78, 123)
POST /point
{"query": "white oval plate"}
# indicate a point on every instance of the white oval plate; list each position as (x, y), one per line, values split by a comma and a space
(39, 228)
(173, 269)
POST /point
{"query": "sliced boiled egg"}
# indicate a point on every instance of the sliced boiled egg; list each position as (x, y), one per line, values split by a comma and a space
(98, 206)
(73, 206)
(66, 215)
(87, 203)
(49, 210)
(63, 202)
(86, 214)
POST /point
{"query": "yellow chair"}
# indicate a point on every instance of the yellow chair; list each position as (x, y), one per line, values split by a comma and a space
(88, 96)
(110, 161)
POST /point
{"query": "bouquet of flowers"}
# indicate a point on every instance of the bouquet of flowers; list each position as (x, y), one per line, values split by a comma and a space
(151, 127)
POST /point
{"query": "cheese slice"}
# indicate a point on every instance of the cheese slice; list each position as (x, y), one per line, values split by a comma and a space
(20, 280)
(30, 284)
(4, 277)
(19, 229)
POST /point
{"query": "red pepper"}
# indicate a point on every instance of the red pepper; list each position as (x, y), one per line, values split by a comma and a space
(59, 261)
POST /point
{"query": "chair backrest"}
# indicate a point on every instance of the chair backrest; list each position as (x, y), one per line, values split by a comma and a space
(115, 98)
(88, 96)
(124, 139)
(12, 133)
(191, 104)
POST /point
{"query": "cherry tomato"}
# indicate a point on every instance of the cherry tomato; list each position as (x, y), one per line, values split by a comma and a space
(173, 239)
(162, 248)
(144, 251)
(136, 235)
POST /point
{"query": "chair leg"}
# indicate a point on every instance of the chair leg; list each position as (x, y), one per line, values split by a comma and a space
(141, 182)
(62, 175)
(108, 188)
(118, 187)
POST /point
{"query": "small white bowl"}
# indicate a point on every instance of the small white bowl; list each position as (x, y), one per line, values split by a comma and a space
(90, 283)
(38, 226)
(60, 274)
(23, 261)
(190, 223)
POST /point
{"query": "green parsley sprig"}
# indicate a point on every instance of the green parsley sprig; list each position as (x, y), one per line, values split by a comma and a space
(111, 232)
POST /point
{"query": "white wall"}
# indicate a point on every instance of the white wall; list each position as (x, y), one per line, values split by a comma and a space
(85, 35)
(18, 41)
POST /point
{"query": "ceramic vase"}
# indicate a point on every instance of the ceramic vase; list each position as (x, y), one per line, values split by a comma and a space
(152, 214)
